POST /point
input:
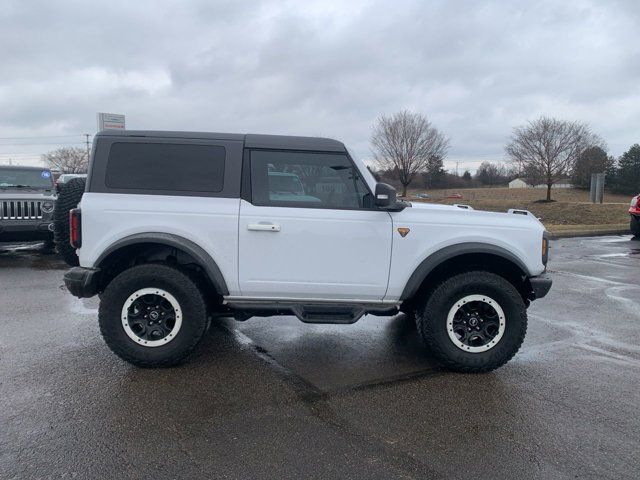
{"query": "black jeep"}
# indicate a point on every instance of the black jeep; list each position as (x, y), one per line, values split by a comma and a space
(27, 202)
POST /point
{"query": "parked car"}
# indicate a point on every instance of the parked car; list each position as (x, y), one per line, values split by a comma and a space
(27, 202)
(634, 212)
(422, 195)
(66, 177)
(454, 195)
(175, 228)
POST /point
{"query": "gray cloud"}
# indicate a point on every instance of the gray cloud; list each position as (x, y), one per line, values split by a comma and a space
(476, 69)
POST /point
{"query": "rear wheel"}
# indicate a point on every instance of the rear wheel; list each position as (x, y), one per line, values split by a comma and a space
(635, 226)
(68, 198)
(152, 315)
(473, 322)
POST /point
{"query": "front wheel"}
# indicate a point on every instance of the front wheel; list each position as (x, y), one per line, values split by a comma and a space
(473, 322)
(152, 315)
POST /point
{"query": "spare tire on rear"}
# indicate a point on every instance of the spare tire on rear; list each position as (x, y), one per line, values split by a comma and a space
(68, 199)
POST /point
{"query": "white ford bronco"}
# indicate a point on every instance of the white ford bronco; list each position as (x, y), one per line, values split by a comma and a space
(175, 229)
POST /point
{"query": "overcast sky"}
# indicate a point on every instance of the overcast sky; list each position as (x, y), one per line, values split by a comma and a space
(475, 69)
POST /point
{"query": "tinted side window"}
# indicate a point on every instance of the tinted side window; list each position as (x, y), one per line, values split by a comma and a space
(306, 180)
(165, 166)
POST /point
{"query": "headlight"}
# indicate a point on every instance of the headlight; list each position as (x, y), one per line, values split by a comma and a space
(47, 207)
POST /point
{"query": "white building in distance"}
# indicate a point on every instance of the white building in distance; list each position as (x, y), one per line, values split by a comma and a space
(527, 183)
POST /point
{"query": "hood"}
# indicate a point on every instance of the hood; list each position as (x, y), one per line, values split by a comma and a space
(451, 214)
(10, 193)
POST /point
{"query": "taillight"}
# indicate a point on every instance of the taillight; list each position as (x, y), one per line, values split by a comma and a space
(75, 228)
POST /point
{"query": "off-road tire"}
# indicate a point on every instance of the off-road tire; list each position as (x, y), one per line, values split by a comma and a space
(172, 280)
(68, 199)
(432, 317)
(634, 225)
(49, 245)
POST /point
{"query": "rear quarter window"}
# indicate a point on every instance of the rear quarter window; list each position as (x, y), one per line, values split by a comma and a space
(165, 166)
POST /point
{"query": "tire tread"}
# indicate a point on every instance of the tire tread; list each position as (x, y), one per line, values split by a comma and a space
(68, 199)
(428, 315)
(109, 311)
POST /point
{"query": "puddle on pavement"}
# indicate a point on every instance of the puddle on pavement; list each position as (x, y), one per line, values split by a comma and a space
(29, 255)
(618, 239)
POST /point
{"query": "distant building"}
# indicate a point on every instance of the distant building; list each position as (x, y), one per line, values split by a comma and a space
(528, 183)
(519, 183)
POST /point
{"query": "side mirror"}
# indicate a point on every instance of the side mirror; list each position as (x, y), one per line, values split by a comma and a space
(385, 196)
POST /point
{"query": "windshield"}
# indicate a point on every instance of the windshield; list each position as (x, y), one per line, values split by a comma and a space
(364, 171)
(27, 177)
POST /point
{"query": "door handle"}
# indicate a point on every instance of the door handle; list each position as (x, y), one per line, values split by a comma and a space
(264, 227)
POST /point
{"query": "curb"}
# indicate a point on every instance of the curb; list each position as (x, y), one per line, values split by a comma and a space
(597, 233)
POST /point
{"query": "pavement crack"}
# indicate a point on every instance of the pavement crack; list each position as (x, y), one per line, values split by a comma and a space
(303, 388)
(376, 445)
(317, 403)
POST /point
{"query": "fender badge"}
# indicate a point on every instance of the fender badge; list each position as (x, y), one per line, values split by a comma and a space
(403, 231)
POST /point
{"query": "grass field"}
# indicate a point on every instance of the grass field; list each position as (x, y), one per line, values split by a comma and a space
(570, 211)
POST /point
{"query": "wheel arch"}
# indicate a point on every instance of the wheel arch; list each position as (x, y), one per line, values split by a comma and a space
(464, 256)
(127, 245)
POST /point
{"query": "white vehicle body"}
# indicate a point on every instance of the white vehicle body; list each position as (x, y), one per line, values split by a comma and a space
(258, 225)
(314, 254)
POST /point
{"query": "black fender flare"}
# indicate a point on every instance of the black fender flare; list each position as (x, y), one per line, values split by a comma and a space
(447, 253)
(176, 241)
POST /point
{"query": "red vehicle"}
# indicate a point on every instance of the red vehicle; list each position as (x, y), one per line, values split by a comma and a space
(634, 211)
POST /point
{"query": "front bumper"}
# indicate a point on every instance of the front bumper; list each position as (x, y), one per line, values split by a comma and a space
(540, 285)
(19, 231)
(82, 282)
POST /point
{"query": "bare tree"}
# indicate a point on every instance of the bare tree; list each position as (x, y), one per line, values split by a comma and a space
(491, 174)
(549, 148)
(405, 142)
(67, 160)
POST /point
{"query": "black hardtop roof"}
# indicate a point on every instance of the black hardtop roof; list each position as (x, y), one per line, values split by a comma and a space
(250, 140)
(25, 167)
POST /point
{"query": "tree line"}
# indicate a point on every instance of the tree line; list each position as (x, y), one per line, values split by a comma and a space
(67, 160)
(410, 150)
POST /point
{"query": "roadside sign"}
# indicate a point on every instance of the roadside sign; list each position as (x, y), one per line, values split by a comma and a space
(110, 121)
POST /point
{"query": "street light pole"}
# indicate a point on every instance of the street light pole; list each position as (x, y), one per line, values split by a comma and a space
(88, 148)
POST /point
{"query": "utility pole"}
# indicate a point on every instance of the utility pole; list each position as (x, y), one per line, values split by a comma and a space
(596, 193)
(457, 168)
(88, 148)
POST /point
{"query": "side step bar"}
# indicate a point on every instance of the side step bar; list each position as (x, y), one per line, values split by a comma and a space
(328, 314)
(310, 313)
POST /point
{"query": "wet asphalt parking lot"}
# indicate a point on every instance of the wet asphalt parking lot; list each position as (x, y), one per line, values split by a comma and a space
(275, 398)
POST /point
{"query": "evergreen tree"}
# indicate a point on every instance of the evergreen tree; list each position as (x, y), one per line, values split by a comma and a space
(627, 179)
(591, 160)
